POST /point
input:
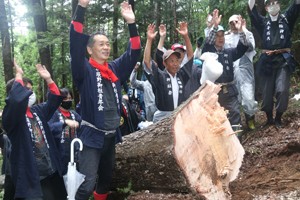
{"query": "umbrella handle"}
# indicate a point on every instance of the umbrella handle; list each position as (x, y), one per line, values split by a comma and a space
(72, 148)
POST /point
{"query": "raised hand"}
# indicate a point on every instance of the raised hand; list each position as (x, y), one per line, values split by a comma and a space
(151, 33)
(127, 12)
(244, 24)
(43, 72)
(209, 20)
(162, 30)
(216, 18)
(183, 28)
(18, 69)
(239, 24)
(83, 3)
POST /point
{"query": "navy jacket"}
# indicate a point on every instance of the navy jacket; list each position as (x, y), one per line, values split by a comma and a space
(162, 87)
(84, 77)
(286, 24)
(63, 143)
(23, 164)
(226, 57)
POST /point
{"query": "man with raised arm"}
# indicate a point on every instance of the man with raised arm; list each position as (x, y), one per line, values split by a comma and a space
(99, 84)
(168, 84)
(244, 71)
(228, 96)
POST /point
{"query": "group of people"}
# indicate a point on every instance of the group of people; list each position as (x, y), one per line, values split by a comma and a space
(40, 134)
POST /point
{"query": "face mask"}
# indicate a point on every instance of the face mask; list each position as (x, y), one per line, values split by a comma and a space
(66, 104)
(274, 9)
(32, 99)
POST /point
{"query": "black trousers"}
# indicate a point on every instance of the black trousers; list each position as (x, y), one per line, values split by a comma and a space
(53, 188)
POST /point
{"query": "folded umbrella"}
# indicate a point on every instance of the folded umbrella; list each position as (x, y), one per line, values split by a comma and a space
(73, 179)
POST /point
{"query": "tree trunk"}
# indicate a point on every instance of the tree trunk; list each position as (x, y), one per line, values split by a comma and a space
(6, 45)
(40, 23)
(174, 39)
(115, 29)
(157, 13)
(194, 150)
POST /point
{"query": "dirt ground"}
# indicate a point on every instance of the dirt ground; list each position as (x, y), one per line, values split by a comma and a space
(271, 167)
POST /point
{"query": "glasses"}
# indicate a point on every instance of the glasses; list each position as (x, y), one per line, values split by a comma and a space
(233, 22)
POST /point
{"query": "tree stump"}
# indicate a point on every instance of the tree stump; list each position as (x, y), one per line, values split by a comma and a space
(194, 150)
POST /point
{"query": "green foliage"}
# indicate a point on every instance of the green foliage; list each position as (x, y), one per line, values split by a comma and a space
(126, 190)
(26, 55)
(99, 17)
(2, 86)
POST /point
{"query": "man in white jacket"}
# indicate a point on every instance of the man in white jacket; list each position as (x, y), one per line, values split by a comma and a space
(243, 71)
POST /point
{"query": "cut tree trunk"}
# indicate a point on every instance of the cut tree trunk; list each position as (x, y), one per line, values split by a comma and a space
(193, 151)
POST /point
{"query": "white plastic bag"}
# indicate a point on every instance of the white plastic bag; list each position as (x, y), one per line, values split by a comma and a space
(211, 68)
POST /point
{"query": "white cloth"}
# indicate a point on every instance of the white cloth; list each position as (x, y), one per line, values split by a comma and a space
(159, 115)
(244, 72)
(175, 89)
(207, 31)
(197, 53)
(232, 39)
(251, 4)
(184, 61)
(212, 69)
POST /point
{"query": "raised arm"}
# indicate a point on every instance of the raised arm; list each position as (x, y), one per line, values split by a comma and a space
(126, 62)
(133, 78)
(18, 70)
(44, 74)
(151, 33)
(78, 43)
(240, 25)
(183, 31)
(249, 36)
(127, 13)
(209, 25)
(79, 13)
(244, 43)
(216, 19)
(162, 36)
(54, 98)
(16, 101)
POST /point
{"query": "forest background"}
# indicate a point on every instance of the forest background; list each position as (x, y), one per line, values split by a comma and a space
(37, 31)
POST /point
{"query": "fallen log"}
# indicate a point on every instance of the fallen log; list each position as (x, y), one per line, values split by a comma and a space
(194, 150)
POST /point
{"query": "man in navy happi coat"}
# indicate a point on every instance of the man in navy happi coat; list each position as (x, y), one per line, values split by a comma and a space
(99, 84)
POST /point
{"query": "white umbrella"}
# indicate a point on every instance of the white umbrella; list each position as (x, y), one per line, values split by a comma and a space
(73, 178)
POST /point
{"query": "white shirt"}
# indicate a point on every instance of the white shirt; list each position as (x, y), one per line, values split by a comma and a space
(175, 89)
(232, 39)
